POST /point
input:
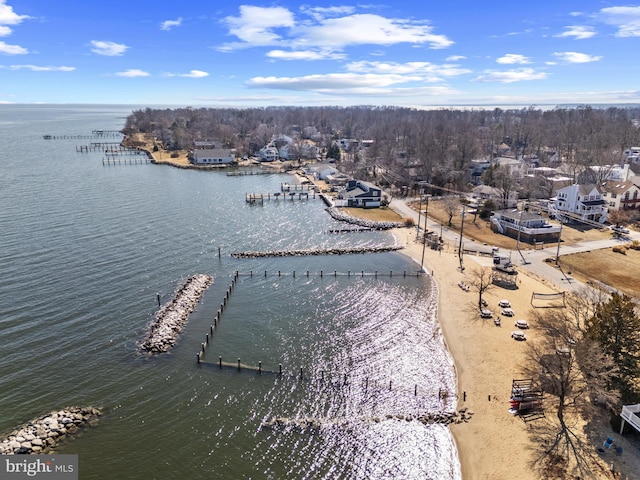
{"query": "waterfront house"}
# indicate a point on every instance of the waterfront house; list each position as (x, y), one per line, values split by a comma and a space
(580, 202)
(358, 193)
(528, 226)
(213, 156)
(268, 154)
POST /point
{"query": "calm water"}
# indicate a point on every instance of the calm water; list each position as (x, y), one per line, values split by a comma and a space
(86, 248)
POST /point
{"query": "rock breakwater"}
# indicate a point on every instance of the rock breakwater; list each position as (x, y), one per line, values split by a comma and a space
(42, 434)
(171, 318)
(311, 423)
(341, 216)
(324, 251)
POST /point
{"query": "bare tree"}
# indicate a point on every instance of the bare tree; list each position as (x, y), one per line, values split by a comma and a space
(481, 280)
(451, 204)
(576, 374)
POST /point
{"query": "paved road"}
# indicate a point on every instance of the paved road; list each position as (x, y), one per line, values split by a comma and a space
(531, 260)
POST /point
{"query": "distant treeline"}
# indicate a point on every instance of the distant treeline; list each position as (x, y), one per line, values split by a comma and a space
(409, 144)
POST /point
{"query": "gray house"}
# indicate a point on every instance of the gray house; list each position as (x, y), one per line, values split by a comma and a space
(358, 193)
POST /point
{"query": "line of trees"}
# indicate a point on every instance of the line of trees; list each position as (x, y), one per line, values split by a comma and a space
(587, 360)
(431, 145)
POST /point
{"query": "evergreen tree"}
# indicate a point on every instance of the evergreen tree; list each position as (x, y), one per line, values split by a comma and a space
(616, 327)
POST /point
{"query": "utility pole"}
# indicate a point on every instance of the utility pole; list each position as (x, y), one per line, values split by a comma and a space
(419, 213)
(424, 240)
(559, 236)
(460, 246)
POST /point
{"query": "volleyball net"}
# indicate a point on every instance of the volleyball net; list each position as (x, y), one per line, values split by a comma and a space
(548, 300)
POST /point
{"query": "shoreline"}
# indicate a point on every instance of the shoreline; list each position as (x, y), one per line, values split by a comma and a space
(485, 361)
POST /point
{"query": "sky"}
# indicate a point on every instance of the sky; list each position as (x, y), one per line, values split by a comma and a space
(417, 54)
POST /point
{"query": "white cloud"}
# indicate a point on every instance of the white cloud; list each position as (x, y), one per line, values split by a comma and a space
(191, 74)
(255, 26)
(304, 55)
(513, 58)
(369, 29)
(7, 49)
(511, 76)
(431, 72)
(579, 32)
(455, 58)
(575, 57)
(319, 13)
(626, 19)
(169, 24)
(9, 17)
(276, 26)
(331, 82)
(36, 68)
(194, 74)
(110, 49)
(133, 72)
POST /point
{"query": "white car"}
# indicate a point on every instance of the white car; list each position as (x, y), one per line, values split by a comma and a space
(522, 324)
(518, 335)
(504, 303)
(508, 312)
(620, 229)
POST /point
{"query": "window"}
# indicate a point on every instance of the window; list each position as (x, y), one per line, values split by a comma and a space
(614, 195)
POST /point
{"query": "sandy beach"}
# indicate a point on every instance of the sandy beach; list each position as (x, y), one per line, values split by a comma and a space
(495, 444)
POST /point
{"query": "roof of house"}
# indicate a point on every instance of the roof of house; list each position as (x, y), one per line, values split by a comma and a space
(518, 214)
(617, 187)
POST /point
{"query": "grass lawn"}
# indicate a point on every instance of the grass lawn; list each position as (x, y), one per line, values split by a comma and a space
(381, 214)
(614, 269)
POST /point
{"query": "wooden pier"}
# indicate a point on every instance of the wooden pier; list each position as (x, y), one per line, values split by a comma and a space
(254, 198)
(125, 161)
(94, 134)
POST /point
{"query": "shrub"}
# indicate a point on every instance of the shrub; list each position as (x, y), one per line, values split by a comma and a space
(635, 245)
(622, 250)
(408, 222)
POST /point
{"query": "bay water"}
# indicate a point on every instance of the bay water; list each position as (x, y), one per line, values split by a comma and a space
(85, 250)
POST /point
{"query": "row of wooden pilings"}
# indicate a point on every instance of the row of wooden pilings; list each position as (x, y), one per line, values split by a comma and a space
(125, 161)
(335, 273)
(217, 318)
(442, 393)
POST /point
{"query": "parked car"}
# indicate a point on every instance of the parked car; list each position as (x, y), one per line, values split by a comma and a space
(486, 313)
(518, 335)
(504, 303)
(522, 324)
(508, 312)
(620, 229)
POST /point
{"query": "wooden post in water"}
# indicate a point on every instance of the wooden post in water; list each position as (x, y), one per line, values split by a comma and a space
(158, 296)
(280, 368)
(259, 367)
(238, 363)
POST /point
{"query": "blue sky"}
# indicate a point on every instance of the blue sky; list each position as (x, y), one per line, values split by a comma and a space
(405, 53)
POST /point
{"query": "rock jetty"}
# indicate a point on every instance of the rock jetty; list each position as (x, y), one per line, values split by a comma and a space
(310, 423)
(324, 251)
(171, 318)
(341, 216)
(43, 434)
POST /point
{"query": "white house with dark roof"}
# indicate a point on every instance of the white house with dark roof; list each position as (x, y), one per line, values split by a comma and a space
(582, 202)
(527, 226)
(213, 156)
